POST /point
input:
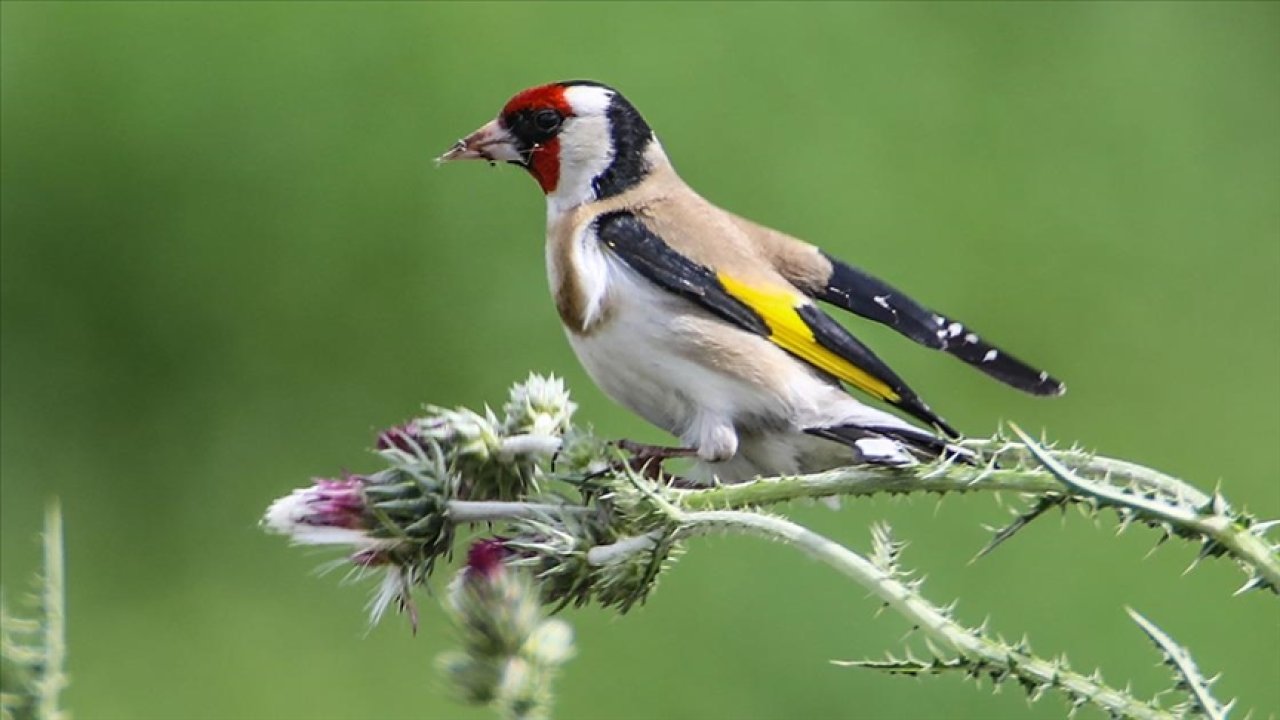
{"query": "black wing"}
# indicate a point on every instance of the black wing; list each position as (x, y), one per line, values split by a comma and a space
(872, 298)
(799, 328)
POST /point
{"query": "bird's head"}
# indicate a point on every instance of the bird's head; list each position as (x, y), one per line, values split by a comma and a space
(580, 140)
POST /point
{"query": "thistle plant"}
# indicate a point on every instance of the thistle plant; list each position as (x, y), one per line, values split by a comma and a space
(33, 650)
(569, 521)
(510, 651)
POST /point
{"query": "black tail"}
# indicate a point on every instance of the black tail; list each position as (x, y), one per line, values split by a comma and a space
(872, 298)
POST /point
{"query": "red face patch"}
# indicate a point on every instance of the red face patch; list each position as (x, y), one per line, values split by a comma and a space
(544, 156)
(544, 165)
(543, 96)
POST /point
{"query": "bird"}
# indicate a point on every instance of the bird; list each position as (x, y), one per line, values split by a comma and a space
(708, 325)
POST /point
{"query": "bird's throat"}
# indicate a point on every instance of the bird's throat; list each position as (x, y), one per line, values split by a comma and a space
(544, 165)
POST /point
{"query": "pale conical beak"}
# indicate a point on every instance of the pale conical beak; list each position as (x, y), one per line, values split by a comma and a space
(491, 142)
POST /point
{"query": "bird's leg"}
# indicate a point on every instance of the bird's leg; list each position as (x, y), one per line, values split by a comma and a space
(647, 459)
(641, 451)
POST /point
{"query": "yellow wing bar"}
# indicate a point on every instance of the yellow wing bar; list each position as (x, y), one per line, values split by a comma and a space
(787, 329)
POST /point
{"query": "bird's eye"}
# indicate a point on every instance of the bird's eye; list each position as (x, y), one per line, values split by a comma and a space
(547, 120)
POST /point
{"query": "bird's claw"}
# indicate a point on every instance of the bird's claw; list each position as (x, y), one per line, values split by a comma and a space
(646, 460)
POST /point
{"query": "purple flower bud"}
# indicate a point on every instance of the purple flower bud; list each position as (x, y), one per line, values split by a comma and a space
(399, 437)
(328, 512)
(336, 503)
(486, 558)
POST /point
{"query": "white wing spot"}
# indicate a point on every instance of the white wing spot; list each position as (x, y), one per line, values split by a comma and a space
(939, 320)
(883, 301)
(970, 338)
(1043, 376)
(954, 329)
(991, 355)
(883, 450)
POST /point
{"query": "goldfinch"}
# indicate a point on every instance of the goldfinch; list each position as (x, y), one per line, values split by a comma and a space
(704, 323)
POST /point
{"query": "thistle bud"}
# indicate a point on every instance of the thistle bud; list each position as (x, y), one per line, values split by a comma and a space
(538, 406)
(510, 652)
(330, 512)
(394, 525)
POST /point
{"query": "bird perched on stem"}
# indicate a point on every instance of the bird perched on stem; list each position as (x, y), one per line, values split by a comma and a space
(706, 324)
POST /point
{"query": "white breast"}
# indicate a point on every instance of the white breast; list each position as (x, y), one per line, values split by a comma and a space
(651, 353)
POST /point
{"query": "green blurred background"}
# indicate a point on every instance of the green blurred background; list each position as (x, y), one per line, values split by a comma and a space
(228, 259)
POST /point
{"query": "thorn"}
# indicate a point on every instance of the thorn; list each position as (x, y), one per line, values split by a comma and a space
(1154, 548)
(1024, 646)
(1037, 692)
(1194, 562)
(1252, 583)
(1020, 521)
(1124, 519)
(932, 648)
(1262, 528)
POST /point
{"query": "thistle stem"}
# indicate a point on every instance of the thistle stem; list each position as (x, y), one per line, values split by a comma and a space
(622, 549)
(932, 620)
(940, 478)
(475, 511)
(1208, 519)
(52, 678)
(1139, 492)
(865, 480)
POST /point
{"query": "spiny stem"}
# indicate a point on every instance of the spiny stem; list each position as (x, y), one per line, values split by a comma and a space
(866, 480)
(622, 549)
(1138, 492)
(1121, 471)
(1196, 685)
(476, 511)
(942, 477)
(53, 679)
(932, 620)
(1210, 520)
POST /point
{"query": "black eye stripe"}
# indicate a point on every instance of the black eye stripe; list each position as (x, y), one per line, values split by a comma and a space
(534, 126)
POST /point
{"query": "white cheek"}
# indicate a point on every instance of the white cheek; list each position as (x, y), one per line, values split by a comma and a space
(586, 150)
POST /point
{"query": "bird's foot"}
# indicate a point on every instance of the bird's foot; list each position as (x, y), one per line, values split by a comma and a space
(647, 460)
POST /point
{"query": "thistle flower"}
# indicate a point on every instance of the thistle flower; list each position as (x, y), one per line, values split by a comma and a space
(330, 512)
(493, 459)
(538, 406)
(392, 523)
(466, 433)
(510, 654)
(396, 520)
